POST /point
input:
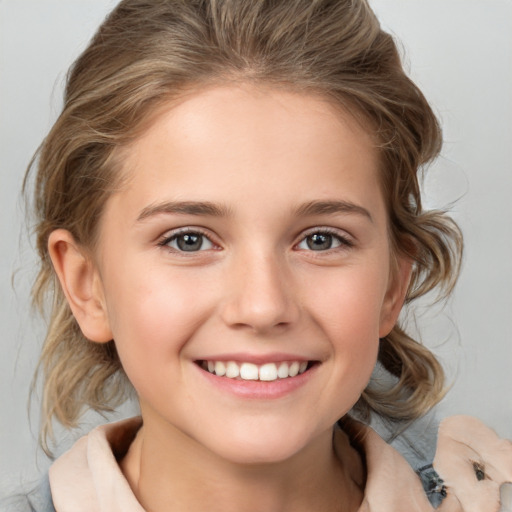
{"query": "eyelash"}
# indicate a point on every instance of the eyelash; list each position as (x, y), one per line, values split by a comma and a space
(168, 239)
(344, 242)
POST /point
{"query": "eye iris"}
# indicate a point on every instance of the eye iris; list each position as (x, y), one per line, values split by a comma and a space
(319, 241)
(190, 242)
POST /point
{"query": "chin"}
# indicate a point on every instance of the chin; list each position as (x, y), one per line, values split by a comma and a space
(261, 445)
(258, 454)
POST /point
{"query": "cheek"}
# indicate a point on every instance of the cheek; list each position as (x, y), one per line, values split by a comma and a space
(347, 307)
(348, 303)
(152, 316)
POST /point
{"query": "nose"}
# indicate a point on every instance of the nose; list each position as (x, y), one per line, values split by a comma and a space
(260, 295)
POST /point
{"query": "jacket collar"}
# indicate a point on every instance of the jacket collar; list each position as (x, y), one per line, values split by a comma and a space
(87, 478)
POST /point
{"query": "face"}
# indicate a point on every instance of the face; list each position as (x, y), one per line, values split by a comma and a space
(244, 270)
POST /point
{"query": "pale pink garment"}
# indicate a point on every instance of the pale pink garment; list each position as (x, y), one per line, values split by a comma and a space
(471, 459)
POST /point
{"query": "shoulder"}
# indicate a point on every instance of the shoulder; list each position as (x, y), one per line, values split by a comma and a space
(475, 465)
(470, 469)
(38, 499)
(88, 478)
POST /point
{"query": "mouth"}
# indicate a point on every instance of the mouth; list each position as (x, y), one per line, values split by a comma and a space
(267, 372)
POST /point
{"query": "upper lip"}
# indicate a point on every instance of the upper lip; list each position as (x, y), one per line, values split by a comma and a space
(257, 359)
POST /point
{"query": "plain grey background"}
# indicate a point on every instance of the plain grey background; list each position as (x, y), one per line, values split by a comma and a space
(460, 54)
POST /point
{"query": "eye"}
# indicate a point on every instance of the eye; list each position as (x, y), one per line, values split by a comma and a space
(323, 241)
(189, 241)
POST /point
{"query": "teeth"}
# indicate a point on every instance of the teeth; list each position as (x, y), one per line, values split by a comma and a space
(282, 372)
(220, 368)
(268, 372)
(248, 371)
(232, 370)
(294, 369)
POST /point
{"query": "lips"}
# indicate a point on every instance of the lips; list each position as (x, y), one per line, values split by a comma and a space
(266, 372)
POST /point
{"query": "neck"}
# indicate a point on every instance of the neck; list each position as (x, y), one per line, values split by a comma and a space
(173, 472)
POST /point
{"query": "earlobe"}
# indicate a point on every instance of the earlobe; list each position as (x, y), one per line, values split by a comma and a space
(81, 284)
(395, 296)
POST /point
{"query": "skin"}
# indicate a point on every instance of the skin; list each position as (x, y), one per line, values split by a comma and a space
(256, 289)
(474, 463)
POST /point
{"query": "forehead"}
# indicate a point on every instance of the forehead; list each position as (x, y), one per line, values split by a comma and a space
(230, 141)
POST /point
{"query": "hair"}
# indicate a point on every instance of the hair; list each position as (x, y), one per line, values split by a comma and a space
(150, 52)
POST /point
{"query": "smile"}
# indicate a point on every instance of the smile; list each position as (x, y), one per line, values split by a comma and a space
(267, 372)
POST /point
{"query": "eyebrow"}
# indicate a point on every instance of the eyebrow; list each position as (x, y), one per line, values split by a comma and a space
(330, 207)
(184, 208)
(206, 208)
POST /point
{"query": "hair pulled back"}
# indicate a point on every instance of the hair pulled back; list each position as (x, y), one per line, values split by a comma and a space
(149, 52)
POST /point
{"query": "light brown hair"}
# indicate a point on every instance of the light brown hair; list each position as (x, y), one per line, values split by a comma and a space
(148, 52)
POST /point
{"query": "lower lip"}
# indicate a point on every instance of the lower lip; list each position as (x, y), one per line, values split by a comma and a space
(256, 389)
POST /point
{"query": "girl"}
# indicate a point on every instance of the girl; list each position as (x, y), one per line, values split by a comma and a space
(229, 222)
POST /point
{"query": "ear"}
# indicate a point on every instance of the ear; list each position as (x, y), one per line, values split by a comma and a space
(395, 295)
(81, 284)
